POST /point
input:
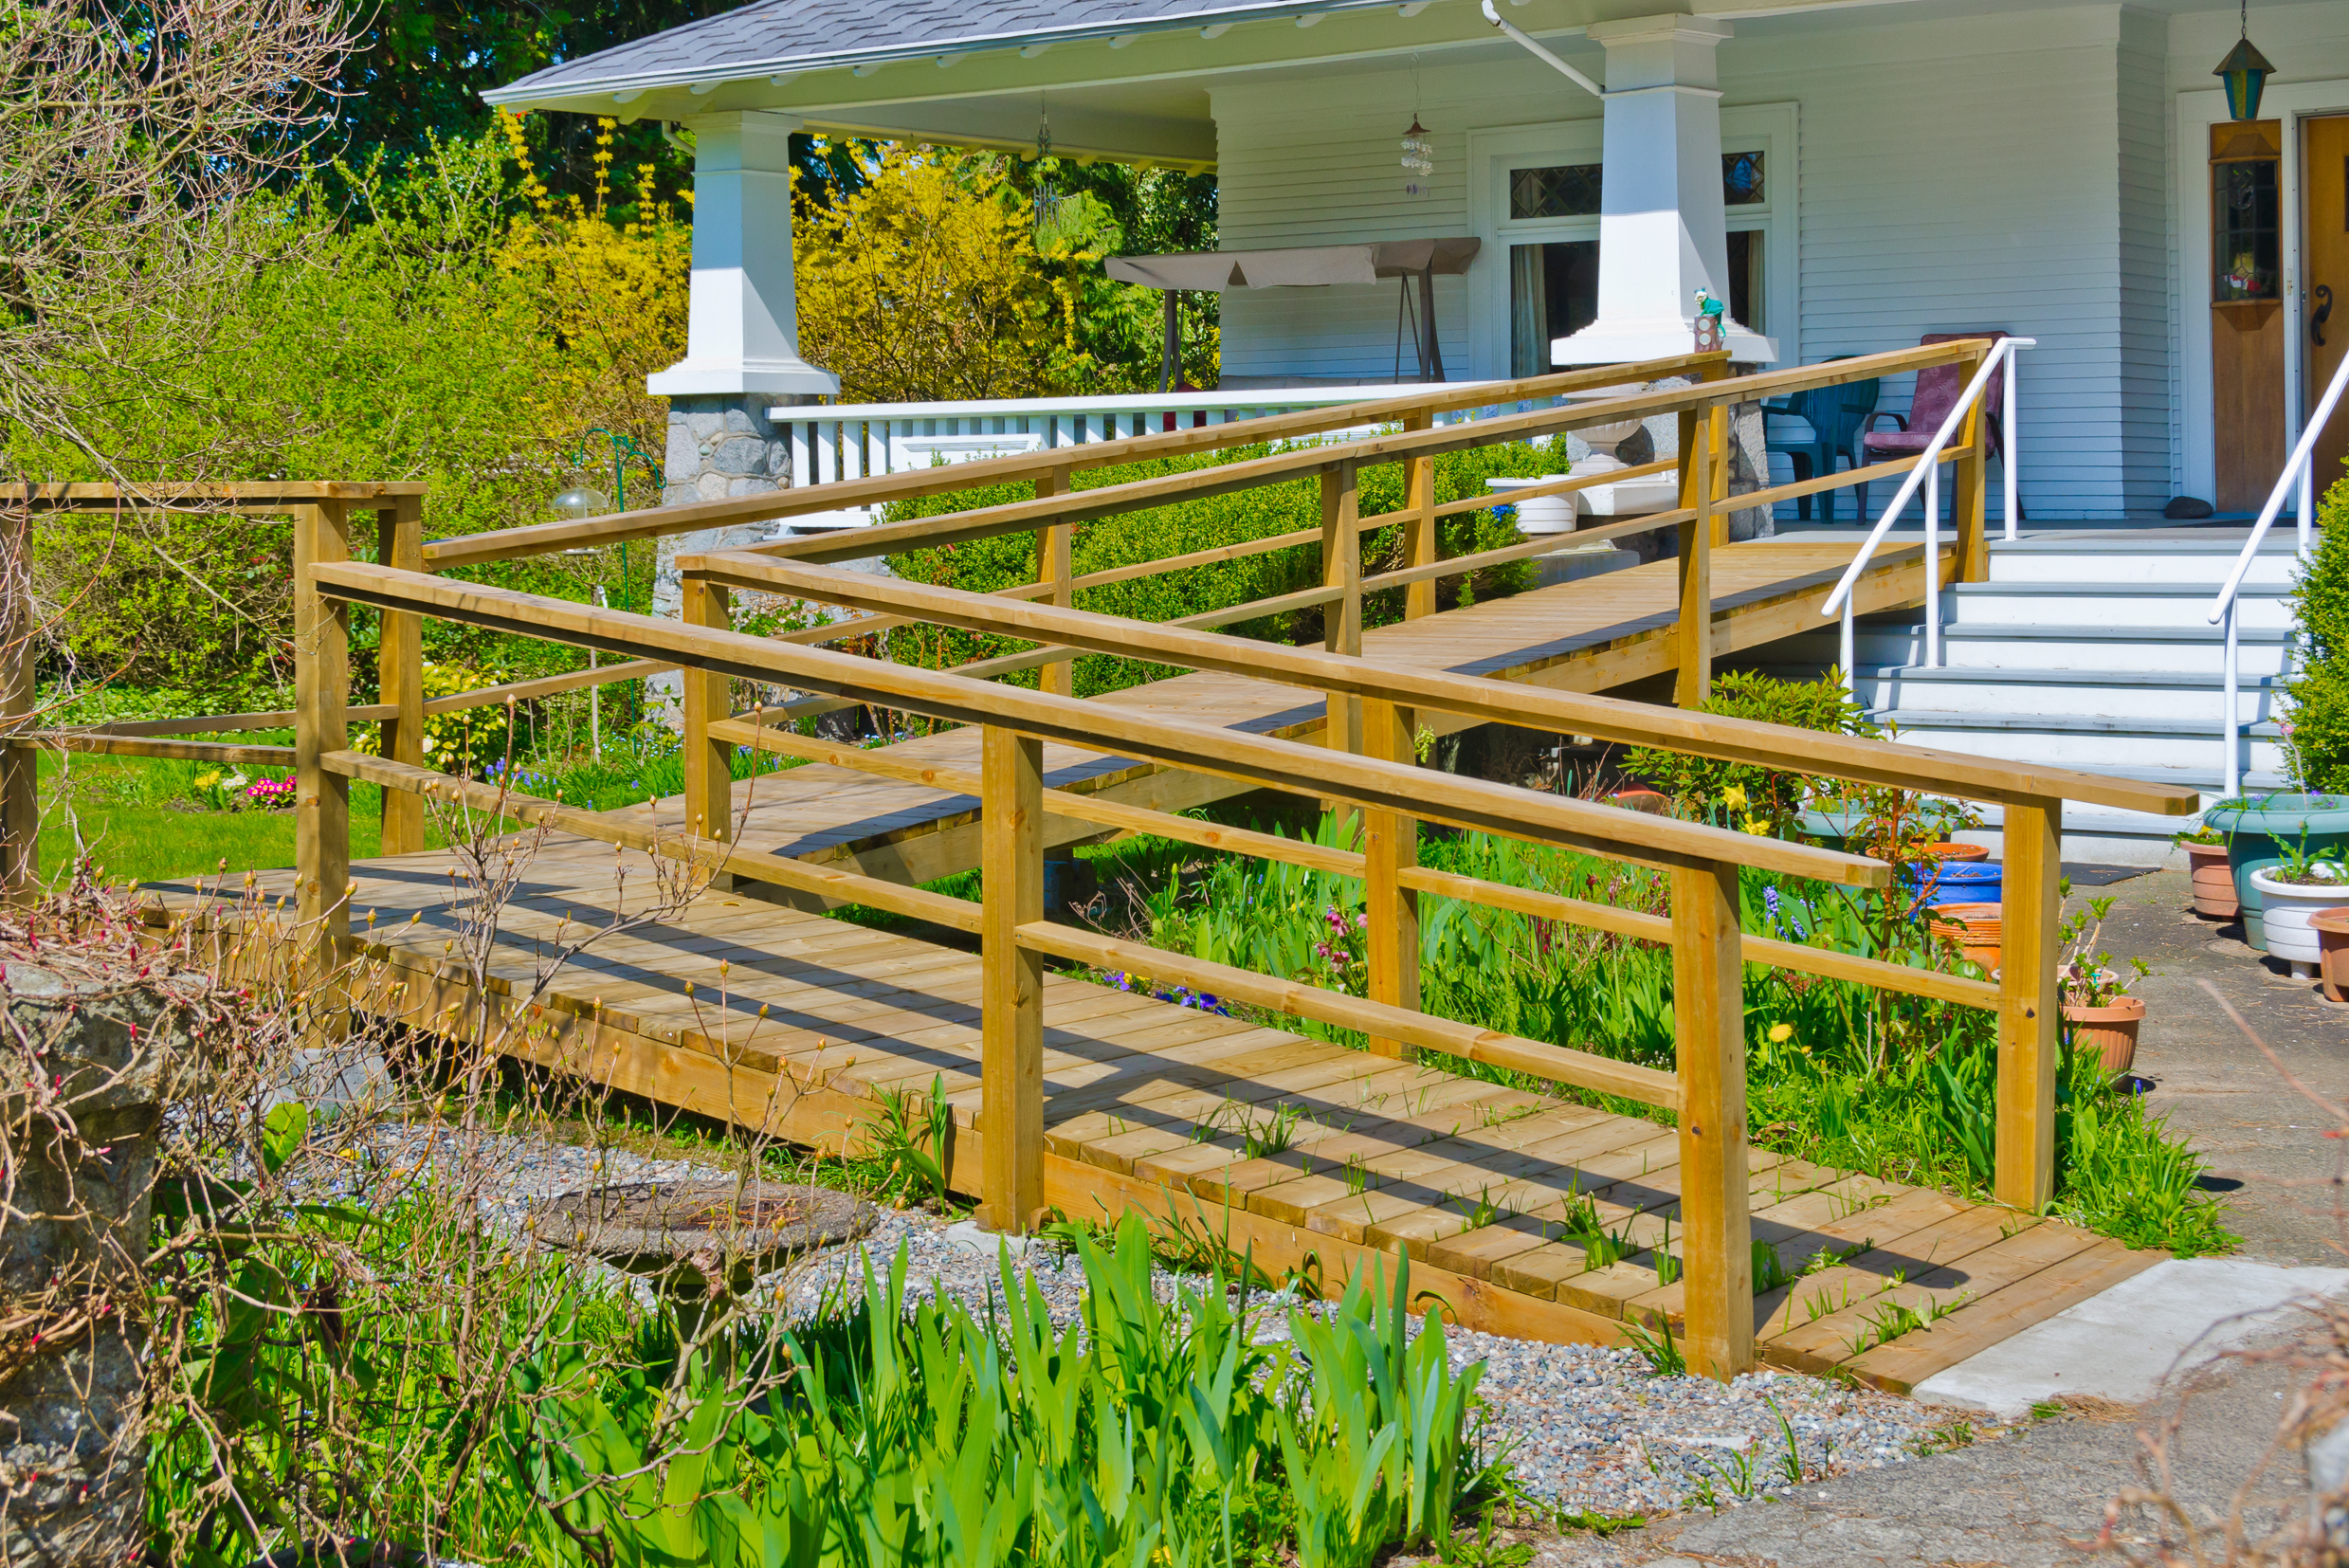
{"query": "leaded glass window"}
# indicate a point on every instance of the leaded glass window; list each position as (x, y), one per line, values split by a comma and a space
(1569, 190)
(1742, 179)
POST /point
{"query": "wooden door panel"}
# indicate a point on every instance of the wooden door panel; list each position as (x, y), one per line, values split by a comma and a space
(2324, 181)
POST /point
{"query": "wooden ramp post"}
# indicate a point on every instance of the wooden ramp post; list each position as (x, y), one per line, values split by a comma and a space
(1695, 629)
(2029, 1003)
(709, 763)
(20, 765)
(1708, 1009)
(1390, 847)
(321, 799)
(1052, 545)
(1011, 1122)
(399, 542)
(1420, 545)
(1968, 489)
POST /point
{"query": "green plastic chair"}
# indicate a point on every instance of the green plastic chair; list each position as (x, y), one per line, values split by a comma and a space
(1836, 417)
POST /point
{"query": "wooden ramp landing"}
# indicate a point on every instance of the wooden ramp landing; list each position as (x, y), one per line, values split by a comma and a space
(1594, 634)
(770, 1016)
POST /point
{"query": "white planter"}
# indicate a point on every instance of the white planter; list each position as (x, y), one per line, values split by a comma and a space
(2288, 906)
(1537, 515)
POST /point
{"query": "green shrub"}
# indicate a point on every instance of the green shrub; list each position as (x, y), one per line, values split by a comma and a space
(2317, 691)
(1738, 793)
(984, 565)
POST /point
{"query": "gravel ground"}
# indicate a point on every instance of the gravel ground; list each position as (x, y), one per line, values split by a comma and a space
(1588, 1429)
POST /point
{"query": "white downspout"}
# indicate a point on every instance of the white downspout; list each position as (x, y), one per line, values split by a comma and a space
(1542, 54)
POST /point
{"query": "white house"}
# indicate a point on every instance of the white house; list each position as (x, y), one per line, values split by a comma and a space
(1893, 168)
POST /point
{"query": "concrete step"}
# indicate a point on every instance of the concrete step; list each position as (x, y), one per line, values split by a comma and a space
(2056, 604)
(2151, 649)
(2104, 745)
(2171, 560)
(2091, 646)
(2111, 694)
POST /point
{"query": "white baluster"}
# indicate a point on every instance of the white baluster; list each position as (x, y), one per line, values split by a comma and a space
(1933, 565)
(2228, 727)
(2013, 439)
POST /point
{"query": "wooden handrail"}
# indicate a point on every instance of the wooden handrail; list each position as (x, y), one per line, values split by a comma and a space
(1561, 1064)
(1142, 495)
(1258, 760)
(1606, 717)
(681, 845)
(1088, 808)
(653, 522)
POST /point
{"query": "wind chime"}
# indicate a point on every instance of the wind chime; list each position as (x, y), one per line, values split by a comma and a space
(1056, 214)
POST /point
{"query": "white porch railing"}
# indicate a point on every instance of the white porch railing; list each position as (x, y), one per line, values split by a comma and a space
(1929, 474)
(2298, 473)
(861, 440)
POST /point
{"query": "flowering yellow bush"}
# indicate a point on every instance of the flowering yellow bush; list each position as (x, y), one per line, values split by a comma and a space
(612, 294)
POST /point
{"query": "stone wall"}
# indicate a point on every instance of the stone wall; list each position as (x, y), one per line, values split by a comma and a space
(82, 1085)
(720, 447)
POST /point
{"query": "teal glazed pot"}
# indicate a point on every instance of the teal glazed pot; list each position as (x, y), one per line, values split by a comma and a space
(2257, 827)
(1832, 827)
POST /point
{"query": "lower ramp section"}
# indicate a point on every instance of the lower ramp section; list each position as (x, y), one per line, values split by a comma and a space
(1527, 1215)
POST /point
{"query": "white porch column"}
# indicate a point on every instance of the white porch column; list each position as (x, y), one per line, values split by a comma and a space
(1662, 230)
(741, 346)
(743, 336)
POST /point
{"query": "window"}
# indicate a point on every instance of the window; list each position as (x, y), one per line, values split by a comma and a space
(2247, 230)
(1552, 292)
(1748, 299)
(1570, 190)
(1741, 180)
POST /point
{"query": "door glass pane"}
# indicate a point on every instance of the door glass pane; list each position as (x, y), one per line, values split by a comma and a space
(1567, 190)
(1742, 179)
(1747, 299)
(1553, 293)
(2245, 231)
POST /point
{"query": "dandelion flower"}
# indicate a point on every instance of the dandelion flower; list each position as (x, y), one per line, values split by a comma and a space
(1781, 1034)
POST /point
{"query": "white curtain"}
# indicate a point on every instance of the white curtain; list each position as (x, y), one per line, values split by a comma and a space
(1529, 312)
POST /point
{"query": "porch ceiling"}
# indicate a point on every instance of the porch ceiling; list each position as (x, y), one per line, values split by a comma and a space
(1126, 79)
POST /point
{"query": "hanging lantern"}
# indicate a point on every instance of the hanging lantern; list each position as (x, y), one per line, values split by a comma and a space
(1418, 160)
(2245, 71)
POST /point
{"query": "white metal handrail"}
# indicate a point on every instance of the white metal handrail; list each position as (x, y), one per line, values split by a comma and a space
(1929, 474)
(2298, 473)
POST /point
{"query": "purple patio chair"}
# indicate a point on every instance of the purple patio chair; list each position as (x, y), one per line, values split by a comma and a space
(1937, 390)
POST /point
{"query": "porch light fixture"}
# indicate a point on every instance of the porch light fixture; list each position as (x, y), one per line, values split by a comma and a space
(2245, 71)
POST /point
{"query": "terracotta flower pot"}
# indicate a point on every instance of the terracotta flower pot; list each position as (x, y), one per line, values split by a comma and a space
(1976, 928)
(1952, 850)
(2332, 929)
(1649, 801)
(2213, 882)
(2109, 1031)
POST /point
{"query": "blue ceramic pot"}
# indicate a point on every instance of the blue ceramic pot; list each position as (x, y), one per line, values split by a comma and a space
(1959, 882)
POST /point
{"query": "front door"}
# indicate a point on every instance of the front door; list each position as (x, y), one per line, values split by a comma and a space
(2247, 310)
(2324, 308)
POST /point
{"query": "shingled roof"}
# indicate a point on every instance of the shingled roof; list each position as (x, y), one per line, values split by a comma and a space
(801, 35)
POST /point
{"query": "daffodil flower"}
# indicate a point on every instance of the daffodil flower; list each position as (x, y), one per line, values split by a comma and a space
(1758, 826)
(1734, 797)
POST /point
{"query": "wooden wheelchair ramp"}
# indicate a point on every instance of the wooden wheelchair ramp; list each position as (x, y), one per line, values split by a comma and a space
(1589, 635)
(1304, 1153)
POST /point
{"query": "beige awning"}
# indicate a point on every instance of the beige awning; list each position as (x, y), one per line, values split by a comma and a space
(1306, 267)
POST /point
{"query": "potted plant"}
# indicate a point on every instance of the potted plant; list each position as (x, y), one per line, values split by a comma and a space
(1978, 930)
(2292, 891)
(2256, 828)
(2332, 929)
(2097, 1008)
(1947, 872)
(2212, 883)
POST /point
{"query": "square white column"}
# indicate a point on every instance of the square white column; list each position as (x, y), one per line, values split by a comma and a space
(1662, 229)
(743, 330)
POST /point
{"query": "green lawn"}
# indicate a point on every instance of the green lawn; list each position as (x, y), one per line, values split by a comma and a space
(140, 821)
